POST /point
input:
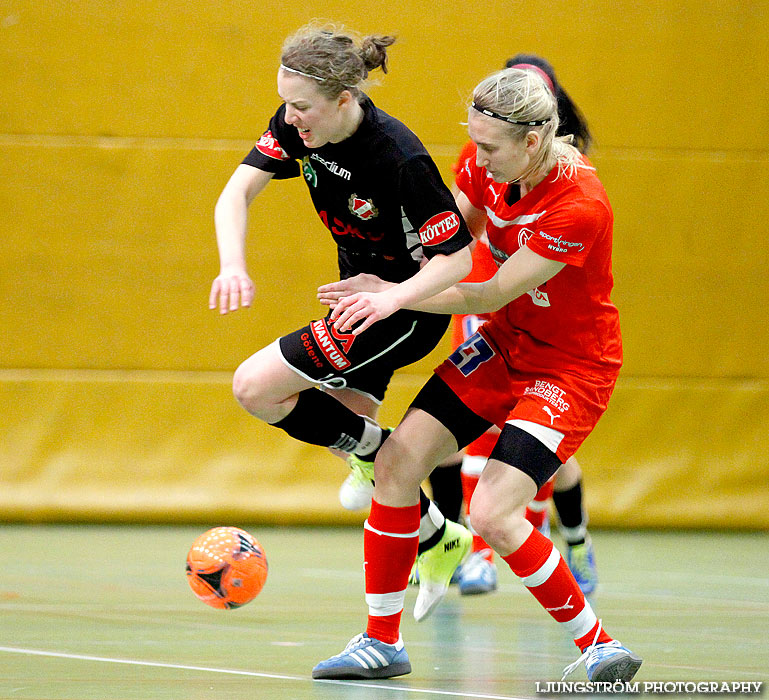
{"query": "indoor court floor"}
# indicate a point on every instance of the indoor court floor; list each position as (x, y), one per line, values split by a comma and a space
(105, 612)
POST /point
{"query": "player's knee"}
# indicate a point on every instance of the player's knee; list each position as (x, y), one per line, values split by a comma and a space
(487, 522)
(248, 389)
(494, 519)
(393, 469)
(386, 464)
(241, 385)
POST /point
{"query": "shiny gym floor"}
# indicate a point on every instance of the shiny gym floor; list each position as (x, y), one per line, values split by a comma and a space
(105, 612)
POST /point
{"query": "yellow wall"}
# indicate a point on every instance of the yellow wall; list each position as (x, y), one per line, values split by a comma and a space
(119, 125)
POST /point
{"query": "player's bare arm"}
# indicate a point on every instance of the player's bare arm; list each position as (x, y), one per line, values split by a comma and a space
(523, 271)
(233, 288)
(330, 294)
(365, 308)
(474, 218)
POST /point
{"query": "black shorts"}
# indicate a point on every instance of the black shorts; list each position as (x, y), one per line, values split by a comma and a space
(365, 362)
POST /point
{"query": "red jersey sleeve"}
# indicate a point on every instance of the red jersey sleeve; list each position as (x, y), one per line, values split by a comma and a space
(568, 234)
(472, 180)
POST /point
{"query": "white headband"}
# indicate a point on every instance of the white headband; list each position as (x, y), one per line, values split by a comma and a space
(310, 75)
(305, 75)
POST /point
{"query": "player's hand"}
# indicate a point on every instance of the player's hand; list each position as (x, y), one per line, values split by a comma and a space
(364, 308)
(330, 294)
(230, 291)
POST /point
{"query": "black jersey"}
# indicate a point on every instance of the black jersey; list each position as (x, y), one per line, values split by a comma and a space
(378, 192)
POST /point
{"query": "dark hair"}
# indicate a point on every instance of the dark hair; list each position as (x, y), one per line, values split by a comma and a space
(572, 121)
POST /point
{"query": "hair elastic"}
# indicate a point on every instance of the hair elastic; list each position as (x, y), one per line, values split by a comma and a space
(543, 75)
(489, 113)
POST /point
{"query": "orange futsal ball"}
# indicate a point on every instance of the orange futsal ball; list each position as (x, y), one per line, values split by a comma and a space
(226, 567)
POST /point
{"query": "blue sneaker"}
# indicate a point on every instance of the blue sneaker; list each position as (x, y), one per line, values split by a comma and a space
(477, 575)
(611, 662)
(365, 657)
(580, 559)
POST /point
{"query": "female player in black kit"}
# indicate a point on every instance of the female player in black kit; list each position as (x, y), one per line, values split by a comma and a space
(380, 195)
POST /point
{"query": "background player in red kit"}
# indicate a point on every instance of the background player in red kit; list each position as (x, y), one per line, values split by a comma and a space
(382, 199)
(542, 368)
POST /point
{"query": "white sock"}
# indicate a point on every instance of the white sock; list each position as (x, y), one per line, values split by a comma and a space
(371, 438)
(430, 523)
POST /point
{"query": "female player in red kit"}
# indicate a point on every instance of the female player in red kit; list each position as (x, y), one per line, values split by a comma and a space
(542, 368)
(478, 574)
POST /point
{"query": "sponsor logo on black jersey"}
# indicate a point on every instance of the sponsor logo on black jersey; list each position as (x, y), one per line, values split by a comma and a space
(309, 172)
(268, 145)
(439, 228)
(333, 167)
(362, 208)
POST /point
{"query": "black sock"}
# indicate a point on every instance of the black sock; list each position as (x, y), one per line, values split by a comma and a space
(446, 484)
(424, 503)
(568, 504)
(319, 419)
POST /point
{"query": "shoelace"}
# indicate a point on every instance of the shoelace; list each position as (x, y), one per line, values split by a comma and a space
(572, 666)
(356, 640)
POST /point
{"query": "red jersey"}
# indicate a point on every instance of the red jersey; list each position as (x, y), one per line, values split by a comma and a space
(570, 321)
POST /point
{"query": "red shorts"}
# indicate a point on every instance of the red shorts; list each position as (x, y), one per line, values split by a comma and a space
(501, 387)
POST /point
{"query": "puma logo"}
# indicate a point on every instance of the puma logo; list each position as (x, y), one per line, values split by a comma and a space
(549, 413)
(565, 606)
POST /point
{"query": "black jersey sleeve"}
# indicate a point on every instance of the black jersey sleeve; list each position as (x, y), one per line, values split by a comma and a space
(272, 152)
(429, 208)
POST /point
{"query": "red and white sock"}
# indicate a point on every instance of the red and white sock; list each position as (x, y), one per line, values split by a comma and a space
(536, 511)
(544, 572)
(390, 540)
